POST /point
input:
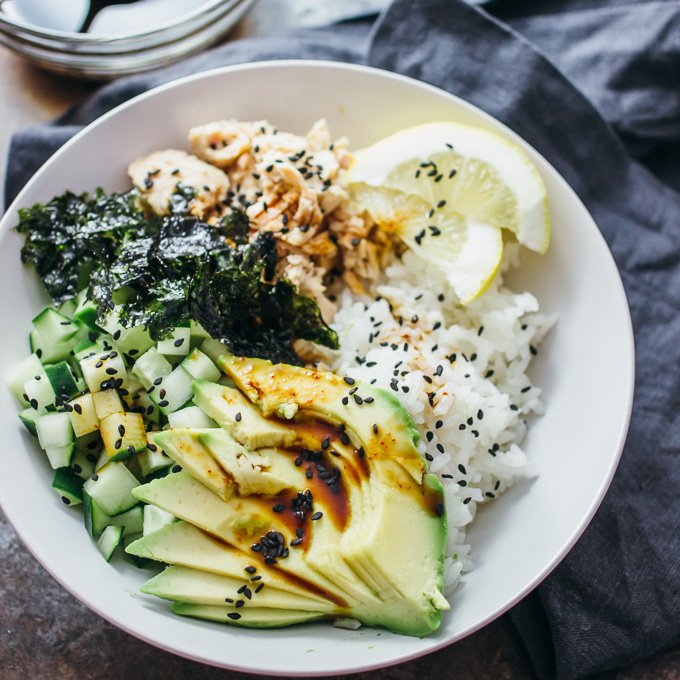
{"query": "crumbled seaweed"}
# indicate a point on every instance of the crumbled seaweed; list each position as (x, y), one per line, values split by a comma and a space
(161, 272)
(70, 236)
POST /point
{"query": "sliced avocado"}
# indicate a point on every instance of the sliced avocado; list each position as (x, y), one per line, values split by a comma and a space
(184, 447)
(192, 586)
(233, 412)
(251, 470)
(254, 617)
(184, 545)
(373, 418)
(242, 521)
(339, 510)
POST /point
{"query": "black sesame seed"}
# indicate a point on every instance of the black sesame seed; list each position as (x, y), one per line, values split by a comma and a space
(439, 509)
(259, 588)
(488, 494)
(344, 438)
(94, 477)
(177, 468)
(158, 381)
(462, 469)
(461, 426)
(163, 403)
(118, 444)
(349, 381)
(438, 424)
(121, 430)
(65, 500)
(131, 450)
(533, 350)
(78, 409)
(237, 417)
(325, 443)
(179, 342)
(375, 428)
(345, 401)
(317, 515)
(234, 615)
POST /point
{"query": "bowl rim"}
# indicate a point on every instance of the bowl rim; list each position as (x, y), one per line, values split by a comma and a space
(17, 522)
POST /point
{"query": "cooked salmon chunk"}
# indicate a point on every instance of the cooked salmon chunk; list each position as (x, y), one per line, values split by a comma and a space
(158, 175)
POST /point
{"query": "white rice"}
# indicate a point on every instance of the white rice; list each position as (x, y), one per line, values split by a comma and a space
(474, 422)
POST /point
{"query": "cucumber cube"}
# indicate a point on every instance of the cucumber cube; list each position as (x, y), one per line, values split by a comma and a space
(96, 520)
(111, 486)
(109, 540)
(123, 435)
(198, 333)
(190, 416)
(20, 373)
(86, 312)
(54, 430)
(200, 367)
(104, 370)
(68, 485)
(106, 402)
(155, 518)
(53, 327)
(177, 344)
(151, 366)
(174, 391)
(82, 463)
(67, 309)
(28, 417)
(214, 349)
(62, 379)
(60, 456)
(40, 393)
(153, 459)
(83, 415)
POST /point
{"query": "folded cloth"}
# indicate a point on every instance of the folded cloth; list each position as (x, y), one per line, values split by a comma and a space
(616, 597)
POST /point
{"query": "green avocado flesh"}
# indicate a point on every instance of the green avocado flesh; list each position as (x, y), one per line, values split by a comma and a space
(305, 503)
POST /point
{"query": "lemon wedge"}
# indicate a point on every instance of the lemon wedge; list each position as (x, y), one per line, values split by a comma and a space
(447, 190)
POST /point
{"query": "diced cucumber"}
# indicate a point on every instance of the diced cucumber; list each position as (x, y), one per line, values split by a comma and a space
(177, 344)
(133, 341)
(111, 486)
(153, 459)
(68, 485)
(53, 327)
(156, 518)
(90, 443)
(102, 460)
(198, 334)
(68, 308)
(213, 349)
(54, 430)
(104, 370)
(51, 353)
(190, 416)
(21, 373)
(60, 456)
(83, 416)
(86, 312)
(141, 403)
(106, 402)
(62, 379)
(174, 392)
(28, 417)
(96, 520)
(133, 385)
(200, 367)
(109, 540)
(40, 393)
(82, 463)
(123, 435)
(151, 366)
(132, 521)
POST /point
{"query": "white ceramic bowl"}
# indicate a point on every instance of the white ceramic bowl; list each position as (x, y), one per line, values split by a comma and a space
(585, 368)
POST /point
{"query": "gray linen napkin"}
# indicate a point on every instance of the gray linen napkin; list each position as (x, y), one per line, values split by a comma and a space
(600, 74)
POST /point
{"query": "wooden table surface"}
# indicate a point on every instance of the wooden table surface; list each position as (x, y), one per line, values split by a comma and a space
(46, 633)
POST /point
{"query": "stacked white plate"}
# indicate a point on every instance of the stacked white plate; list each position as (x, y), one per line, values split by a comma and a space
(124, 37)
